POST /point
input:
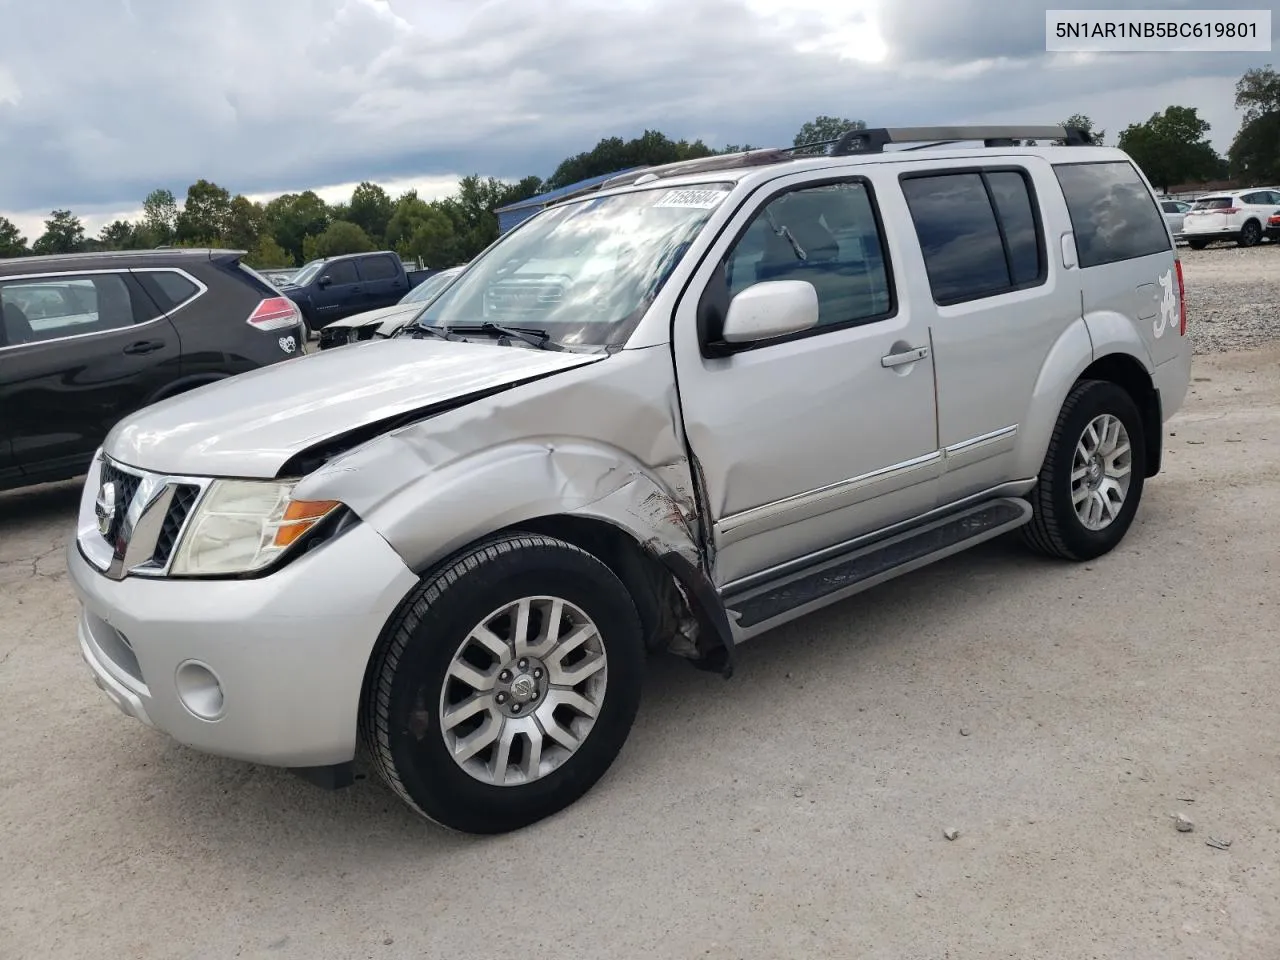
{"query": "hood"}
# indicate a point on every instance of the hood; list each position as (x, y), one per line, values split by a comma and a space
(397, 311)
(253, 424)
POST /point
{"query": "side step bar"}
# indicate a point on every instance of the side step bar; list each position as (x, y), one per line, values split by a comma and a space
(767, 605)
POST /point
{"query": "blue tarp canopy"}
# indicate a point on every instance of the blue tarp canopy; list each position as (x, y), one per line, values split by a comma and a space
(516, 213)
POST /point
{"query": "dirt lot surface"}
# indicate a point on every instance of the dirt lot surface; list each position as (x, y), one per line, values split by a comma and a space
(1057, 716)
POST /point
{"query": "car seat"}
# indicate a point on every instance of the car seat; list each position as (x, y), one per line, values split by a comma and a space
(16, 328)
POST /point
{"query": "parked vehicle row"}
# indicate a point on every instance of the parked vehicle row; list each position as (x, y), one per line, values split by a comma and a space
(386, 321)
(706, 399)
(87, 339)
(328, 290)
(1244, 217)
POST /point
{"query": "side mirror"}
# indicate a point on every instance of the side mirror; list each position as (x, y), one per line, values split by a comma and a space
(773, 308)
(324, 281)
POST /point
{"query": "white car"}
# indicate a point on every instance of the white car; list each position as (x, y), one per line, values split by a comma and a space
(1241, 217)
(386, 320)
(1175, 212)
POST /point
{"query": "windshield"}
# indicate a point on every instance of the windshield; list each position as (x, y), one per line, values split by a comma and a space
(307, 273)
(429, 287)
(584, 272)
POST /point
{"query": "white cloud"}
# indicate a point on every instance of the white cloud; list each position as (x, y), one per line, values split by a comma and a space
(268, 97)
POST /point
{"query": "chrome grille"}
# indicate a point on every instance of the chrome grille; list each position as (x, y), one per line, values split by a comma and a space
(185, 496)
(126, 485)
(136, 531)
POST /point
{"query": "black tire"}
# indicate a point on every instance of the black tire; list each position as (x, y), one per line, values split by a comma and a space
(1197, 244)
(1250, 234)
(1055, 528)
(419, 646)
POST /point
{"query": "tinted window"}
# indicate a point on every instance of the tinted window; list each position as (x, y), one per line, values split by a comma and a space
(1170, 206)
(1113, 213)
(826, 235)
(1014, 204)
(344, 271)
(1213, 203)
(1255, 198)
(53, 307)
(956, 225)
(171, 289)
(378, 268)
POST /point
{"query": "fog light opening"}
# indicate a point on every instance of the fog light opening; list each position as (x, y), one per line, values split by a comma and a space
(200, 691)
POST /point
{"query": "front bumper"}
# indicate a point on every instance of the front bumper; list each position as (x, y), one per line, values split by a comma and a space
(288, 650)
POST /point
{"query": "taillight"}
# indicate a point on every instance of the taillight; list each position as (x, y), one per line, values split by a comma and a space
(1182, 299)
(275, 313)
(1228, 210)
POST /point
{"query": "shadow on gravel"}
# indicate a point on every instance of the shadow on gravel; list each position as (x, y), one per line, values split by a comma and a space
(50, 502)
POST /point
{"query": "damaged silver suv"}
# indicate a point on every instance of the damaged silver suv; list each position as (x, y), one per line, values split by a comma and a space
(669, 413)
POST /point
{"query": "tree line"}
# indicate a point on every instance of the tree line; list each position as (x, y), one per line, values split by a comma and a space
(1172, 148)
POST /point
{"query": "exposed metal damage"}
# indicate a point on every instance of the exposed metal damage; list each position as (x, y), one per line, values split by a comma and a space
(531, 457)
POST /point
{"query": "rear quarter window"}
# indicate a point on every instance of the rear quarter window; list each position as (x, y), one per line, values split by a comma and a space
(1113, 214)
(168, 288)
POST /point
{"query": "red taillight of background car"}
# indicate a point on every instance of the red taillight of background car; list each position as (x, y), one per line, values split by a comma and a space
(275, 313)
(1182, 299)
(1273, 220)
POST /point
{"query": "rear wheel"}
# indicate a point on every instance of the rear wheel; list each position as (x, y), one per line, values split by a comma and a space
(1250, 234)
(1091, 483)
(508, 686)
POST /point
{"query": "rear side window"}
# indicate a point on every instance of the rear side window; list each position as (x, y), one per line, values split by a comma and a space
(50, 308)
(1171, 206)
(169, 288)
(1112, 212)
(378, 268)
(978, 231)
(344, 271)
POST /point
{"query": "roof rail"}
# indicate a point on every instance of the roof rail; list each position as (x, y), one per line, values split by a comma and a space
(875, 140)
(719, 161)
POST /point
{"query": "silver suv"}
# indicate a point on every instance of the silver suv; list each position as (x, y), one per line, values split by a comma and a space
(670, 413)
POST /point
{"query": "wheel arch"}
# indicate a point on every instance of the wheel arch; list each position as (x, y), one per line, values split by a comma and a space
(1128, 373)
(182, 385)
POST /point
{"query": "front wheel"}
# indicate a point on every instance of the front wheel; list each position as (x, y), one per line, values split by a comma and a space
(508, 685)
(1197, 244)
(1091, 482)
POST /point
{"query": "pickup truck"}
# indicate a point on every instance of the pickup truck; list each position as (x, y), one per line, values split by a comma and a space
(330, 289)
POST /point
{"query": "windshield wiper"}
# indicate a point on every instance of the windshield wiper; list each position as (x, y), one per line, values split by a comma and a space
(530, 335)
(417, 330)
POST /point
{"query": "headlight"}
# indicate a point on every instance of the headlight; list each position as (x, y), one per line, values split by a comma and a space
(242, 526)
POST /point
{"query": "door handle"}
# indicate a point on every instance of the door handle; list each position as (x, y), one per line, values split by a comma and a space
(144, 346)
(906, 356)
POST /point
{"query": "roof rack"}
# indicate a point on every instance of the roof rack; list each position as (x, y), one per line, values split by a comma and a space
(874, 141)
(848, 143)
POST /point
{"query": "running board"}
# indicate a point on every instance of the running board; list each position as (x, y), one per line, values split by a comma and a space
(763, 607)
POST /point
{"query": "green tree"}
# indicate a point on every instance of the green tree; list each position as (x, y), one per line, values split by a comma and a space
(1082, 122)
(245, 223)
(205, 214)
(822, 128)
(63, 233)
(294, 216)
(341, 236)
(160, 216)
(266, 254)
(613, 154)
(12, 242)
(1171, 147)
(117, 235)
(370, 209)
(1254, 154)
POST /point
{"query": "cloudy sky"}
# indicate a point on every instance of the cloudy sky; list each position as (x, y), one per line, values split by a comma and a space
(103, 100)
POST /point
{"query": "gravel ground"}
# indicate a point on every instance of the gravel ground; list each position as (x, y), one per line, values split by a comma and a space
(1058, 716)
(1233, 296)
